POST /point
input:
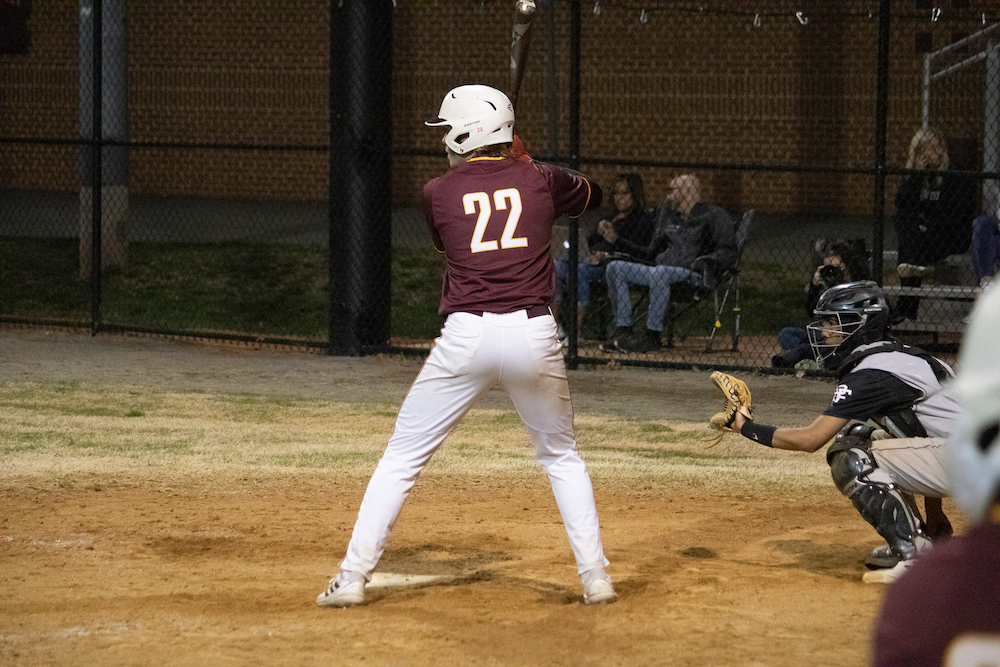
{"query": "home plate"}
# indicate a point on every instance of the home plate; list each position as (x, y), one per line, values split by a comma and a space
(387, 579)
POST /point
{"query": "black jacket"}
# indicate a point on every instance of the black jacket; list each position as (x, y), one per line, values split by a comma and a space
(706, 231)
(931, 227)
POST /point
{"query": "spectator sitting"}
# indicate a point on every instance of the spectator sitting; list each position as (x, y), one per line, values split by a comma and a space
(630, 220)
(834, 270)
(986, 247)
(934, 215)
(686, 229)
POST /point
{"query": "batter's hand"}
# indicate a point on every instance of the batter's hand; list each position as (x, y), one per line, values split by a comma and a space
(518, 150)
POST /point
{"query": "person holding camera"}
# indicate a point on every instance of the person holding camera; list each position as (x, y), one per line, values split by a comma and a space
(794, 341)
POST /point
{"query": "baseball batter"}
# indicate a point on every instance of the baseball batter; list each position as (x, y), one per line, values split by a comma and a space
(945, 611)
(491, 215)
(896, 386)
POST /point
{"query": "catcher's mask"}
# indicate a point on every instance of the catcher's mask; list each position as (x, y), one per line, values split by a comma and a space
(973, 456)
(850, 315)
(477, 115)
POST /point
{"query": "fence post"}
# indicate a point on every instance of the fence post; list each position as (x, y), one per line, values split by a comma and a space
(881, 120)
(572, 358)
(103, 58)
(991, 131)
(360, 207)
(95, 160)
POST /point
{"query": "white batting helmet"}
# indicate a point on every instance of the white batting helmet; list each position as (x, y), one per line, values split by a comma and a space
(975, 450)
(478, 116)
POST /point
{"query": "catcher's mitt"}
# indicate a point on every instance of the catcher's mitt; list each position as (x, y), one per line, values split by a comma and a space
(737, 396)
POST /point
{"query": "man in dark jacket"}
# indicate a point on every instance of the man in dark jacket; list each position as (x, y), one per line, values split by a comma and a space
(686, 229)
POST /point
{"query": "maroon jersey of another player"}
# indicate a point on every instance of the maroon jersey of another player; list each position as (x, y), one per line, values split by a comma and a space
(492, 218)
(952, 590)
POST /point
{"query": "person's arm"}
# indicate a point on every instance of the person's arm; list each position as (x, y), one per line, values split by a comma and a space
(659, 242)
(815, 290)
(723, 239)
(648, 252)
(802, 439)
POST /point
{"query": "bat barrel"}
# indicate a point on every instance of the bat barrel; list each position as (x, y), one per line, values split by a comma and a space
(524, 12)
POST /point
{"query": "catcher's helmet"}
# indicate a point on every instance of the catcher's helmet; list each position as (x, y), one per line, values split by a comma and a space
(850, 314)
(478, 116)
(974, 454)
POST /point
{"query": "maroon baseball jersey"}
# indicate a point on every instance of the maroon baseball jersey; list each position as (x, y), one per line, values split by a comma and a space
(492, 218)
(952, 590)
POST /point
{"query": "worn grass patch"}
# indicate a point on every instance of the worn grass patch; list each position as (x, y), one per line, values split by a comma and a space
(53, 431)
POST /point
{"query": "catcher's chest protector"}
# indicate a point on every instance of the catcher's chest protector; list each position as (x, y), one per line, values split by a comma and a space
(911, 421)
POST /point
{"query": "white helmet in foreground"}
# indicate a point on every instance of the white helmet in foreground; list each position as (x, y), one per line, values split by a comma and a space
(478, 115)
(975, 444)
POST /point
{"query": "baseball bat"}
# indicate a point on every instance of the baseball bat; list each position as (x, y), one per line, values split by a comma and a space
(524, 11)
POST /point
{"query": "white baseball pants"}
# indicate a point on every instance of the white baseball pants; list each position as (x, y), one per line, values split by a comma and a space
(472, 354)
(914, 464)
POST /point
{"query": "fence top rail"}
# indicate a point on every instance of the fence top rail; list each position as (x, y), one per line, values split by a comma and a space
(962, 42)
(957, 66)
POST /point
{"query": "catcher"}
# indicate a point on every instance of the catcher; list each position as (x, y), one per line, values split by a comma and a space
(894, 385)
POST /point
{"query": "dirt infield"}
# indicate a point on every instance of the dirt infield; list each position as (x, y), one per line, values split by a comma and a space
(151, 568)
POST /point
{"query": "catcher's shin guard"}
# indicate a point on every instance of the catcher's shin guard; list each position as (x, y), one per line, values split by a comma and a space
(882, 504)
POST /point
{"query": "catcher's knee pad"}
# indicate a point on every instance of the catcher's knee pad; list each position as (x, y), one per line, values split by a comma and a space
(881, 503)
(853, 436)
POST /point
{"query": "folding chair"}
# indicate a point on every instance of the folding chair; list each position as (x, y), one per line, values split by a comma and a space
(718, 282)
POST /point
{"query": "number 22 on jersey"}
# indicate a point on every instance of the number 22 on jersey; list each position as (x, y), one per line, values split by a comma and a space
(481, 200)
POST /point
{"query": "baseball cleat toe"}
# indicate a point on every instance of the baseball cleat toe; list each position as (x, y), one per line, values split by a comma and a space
(881, 558)
(342, 593)
(599, 591)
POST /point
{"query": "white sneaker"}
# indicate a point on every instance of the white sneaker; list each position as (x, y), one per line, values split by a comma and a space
(887, 576)
(912, 270)
(345, 590)
(598, 589)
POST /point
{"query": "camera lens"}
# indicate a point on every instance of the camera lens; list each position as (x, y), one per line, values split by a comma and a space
(831, 274)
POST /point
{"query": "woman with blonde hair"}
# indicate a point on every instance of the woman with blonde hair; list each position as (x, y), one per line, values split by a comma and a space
(934, 212)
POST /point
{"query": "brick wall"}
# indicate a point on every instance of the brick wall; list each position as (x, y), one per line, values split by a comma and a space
(686, 86)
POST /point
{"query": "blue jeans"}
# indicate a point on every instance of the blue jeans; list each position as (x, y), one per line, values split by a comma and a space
(794, 342)
(586, 273)
(985, 249)
(659, 279)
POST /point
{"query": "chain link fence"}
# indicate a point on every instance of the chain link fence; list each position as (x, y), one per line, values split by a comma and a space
(254, 171)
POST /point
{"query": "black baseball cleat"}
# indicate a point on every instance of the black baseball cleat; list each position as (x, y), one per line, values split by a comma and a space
(611, 344)
(647, 342)
(881, 558)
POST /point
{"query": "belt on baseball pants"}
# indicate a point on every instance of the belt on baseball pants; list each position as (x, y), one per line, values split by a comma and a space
(533, 311)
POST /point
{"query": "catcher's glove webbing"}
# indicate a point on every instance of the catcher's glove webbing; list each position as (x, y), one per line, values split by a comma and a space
(737, 396)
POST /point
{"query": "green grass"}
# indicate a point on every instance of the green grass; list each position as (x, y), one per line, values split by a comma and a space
(416, 293)
(282, 290)
(252, 288)
(40, 278)
(772, 296)
(60, 433)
